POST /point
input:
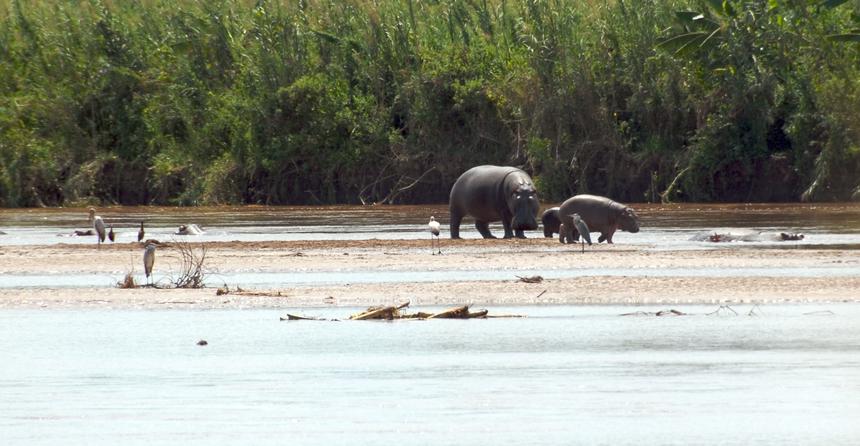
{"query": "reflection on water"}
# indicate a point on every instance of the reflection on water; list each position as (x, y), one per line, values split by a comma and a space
(668, 226)
(564, 375)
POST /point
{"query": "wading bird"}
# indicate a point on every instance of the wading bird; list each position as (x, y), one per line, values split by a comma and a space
(148, 260)
(98, 225)
(434, 234)
(582, 228)
(140, 233)
(111, 235)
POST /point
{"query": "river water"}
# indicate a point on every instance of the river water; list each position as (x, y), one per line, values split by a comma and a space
(675, 227)
(563, 375)
(663, 226)
(776, 374)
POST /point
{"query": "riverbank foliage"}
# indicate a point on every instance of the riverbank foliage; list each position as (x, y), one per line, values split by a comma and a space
(388, 101)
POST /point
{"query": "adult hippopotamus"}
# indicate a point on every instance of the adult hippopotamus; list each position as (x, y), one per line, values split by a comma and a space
(550, 221)
(600, 214)
(493, 193)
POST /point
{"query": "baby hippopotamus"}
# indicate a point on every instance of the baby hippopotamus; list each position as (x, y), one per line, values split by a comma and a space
(550, 221)
(600, 214)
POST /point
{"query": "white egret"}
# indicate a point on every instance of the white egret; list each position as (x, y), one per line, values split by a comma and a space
(434, 234)
(98, 225)
(582, 228)
(148, 259)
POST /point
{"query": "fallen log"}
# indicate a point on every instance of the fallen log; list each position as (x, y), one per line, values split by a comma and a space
(387, 313)
(480, 314)
(461, 312)
(670, 313)
(293, 317)
(530, 279)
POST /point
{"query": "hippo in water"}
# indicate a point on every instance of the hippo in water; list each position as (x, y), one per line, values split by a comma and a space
(493, 193)
(600, 214)
(190, 229)
(550, 221)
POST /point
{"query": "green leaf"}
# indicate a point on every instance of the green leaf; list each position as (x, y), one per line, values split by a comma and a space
(852, 36)
(709, 38)
(832, 3)
(716, 5)
(683, 44)
(687, 16)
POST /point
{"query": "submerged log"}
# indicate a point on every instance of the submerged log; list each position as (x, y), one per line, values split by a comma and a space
(387, 313)
(293, 317)
(461, 312)
(480, 314)
(671, 313)
(659, 313)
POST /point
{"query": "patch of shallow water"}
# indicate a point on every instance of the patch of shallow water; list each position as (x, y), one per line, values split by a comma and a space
(563, 375)
(321, 278)
(663, 227)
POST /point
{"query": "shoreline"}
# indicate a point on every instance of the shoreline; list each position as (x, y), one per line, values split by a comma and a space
(371, 256)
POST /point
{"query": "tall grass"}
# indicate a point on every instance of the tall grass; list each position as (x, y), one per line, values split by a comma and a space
(328, 101)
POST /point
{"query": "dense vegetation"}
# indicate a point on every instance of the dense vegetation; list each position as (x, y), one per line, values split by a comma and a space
(347, 101)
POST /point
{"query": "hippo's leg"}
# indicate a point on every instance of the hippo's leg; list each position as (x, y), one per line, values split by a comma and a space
(484, 228)
(571, 235)
(456, 218)
(606, 236)
(562, 234)
(547, 232)
(520, 233)
(506, 222)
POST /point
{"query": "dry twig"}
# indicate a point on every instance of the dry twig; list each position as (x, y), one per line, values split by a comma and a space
(192, 272)
(718, 311)
(532, 279)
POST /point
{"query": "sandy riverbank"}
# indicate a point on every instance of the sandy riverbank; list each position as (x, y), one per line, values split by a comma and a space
(374, 256)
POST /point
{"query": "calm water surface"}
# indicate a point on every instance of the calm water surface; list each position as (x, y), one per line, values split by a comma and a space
(564, 375)
(671, 226)
(679, 227)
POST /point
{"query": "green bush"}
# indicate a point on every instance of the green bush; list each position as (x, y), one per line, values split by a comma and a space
(325, 101)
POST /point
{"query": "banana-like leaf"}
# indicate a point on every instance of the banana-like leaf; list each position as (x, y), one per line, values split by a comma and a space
(686, 16)
(716, 5)
(706, 22)
(852, 36)
(832, 3)
(695, 18)
(683, 44)
(711, 38)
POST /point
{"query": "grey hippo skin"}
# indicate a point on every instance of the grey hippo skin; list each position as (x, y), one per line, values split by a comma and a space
(493, 193)
(550, 222)
(600, 214)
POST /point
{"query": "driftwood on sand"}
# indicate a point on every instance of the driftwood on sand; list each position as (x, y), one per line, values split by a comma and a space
(242, 292)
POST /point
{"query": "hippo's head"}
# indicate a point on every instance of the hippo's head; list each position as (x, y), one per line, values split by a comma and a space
(628, 220)
(523, 203)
